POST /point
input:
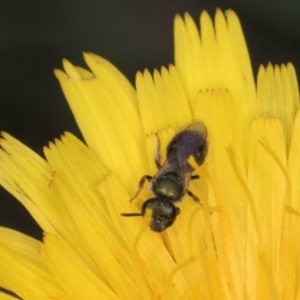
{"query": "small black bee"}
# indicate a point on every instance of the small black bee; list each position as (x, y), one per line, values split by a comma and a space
(170, 183)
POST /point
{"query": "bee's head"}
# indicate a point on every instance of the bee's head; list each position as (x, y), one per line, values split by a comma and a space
(164, 213)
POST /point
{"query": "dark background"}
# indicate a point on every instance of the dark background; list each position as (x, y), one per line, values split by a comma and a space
(132, 34)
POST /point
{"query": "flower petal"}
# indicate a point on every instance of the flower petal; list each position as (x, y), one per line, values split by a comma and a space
(26, 176)
(217, 60)
(277, 95)
(164, 108)
(77, 181)
(294, 164)
(217, 110)
(21, 269)
(268, 187)
(84, 282)
(24, 246)
(162, 100)
(4, 296)
(106, 115)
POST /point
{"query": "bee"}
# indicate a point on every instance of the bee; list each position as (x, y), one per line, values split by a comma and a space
(170, 183)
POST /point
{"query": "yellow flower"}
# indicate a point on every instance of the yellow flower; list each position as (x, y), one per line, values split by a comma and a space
(241, 244)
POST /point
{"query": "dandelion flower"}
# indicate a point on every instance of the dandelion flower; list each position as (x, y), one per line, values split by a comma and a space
(241, 244)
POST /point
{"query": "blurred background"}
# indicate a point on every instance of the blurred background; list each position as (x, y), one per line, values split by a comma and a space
(132, 34)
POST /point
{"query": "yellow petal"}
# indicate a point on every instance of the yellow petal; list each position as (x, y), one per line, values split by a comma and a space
(162, 100)
(164, 107)
(23, 245)
(22, 271)
(84, 282)
(216, 109)
(294, 164)
(277, 95)
(267, 184)
(218, 60)
(4, 296)
(26, 176)
(106, 115)
(242, 243)
(92, 224)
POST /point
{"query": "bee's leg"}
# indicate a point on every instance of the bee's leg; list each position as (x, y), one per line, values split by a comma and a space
(157, 157)
(141, 184)
(195, 177)
(194, 197)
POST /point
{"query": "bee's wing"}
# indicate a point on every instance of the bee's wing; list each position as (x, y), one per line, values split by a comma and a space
(190, 140)
(171, 165)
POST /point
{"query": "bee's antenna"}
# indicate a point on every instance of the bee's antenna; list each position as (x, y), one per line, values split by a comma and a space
(131, 214)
